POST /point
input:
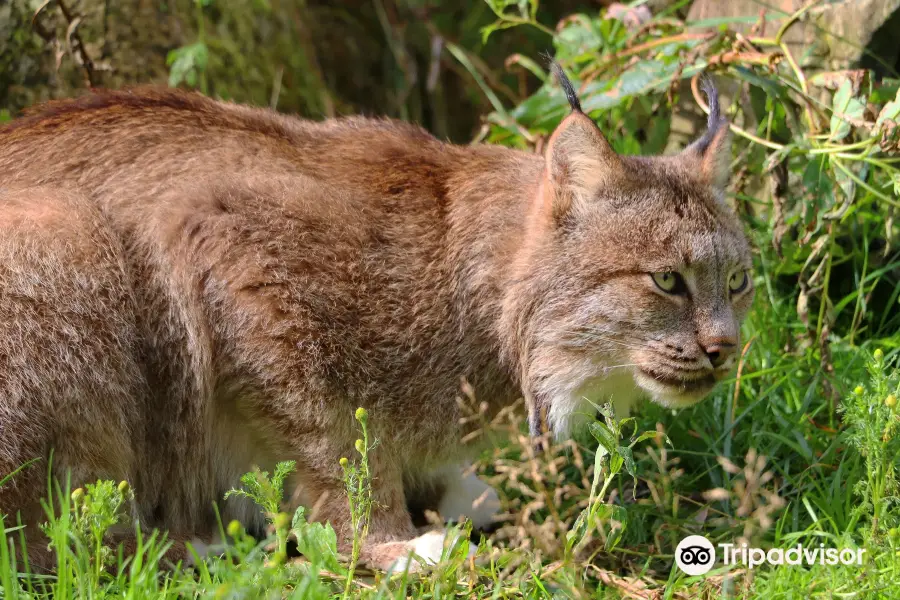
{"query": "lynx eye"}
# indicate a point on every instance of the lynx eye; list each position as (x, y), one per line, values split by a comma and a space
(738, 282)
(669, 282)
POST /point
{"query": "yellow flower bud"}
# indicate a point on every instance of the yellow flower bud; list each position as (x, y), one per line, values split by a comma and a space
(77, 496)
(344, 462)
(123, 487)
(282, 521)
(234, 529)
(878, 354)
(858, 390)
(890, 401)
(362, 415)
(360, 447)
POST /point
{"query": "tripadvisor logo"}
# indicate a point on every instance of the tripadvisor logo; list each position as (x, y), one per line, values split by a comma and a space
(696, 555)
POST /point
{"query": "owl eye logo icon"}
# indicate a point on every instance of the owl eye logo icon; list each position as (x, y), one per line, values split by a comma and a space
(695, 555)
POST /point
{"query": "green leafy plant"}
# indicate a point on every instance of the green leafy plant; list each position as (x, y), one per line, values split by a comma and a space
(316, 541)
(611, 456)
(268, 493)
(872, 416)
(358, 485)
(94, 510)
(513, 13)
(188, 64)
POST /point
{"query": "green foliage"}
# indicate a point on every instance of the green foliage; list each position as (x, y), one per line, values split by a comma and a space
(187, 64)
(844, 108)
(78, 529)
(93, 511)
(512, 13)
(315, 541)
(265, 491)
(358, 485)
(873, 429)
(610, 457)
(268, 494)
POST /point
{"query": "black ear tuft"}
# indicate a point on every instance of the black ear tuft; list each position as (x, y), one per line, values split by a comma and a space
(715, 120)
(711, 154)
(567, 86)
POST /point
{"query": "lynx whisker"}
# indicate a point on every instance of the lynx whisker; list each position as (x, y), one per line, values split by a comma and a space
(610, 367)
(597, 337)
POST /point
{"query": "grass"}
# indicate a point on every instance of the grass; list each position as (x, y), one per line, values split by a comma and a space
(578, 523)
(802, 446)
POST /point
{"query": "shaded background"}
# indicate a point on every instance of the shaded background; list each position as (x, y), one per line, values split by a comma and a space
(380, 57)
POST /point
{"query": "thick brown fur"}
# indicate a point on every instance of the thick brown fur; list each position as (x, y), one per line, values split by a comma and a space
(189, 288)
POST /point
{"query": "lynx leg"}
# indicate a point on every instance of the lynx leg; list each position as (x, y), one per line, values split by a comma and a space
(455, 493)
(392, 537)
(21, 441)
(69, 382)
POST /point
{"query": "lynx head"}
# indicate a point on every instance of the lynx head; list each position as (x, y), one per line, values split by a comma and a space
(633, 278)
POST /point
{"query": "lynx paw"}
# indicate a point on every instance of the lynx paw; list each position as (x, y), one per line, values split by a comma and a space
(202, 550)
(426, 549)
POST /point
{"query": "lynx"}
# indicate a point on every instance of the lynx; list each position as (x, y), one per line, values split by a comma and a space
(190, 287)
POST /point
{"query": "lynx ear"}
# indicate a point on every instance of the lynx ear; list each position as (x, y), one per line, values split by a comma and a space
(710, 156)
(579, 159)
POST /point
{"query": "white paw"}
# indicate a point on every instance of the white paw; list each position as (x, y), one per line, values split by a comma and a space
(426, 549)
(468, 496)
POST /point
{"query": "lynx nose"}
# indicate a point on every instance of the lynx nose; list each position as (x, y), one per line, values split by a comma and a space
(719, 351)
